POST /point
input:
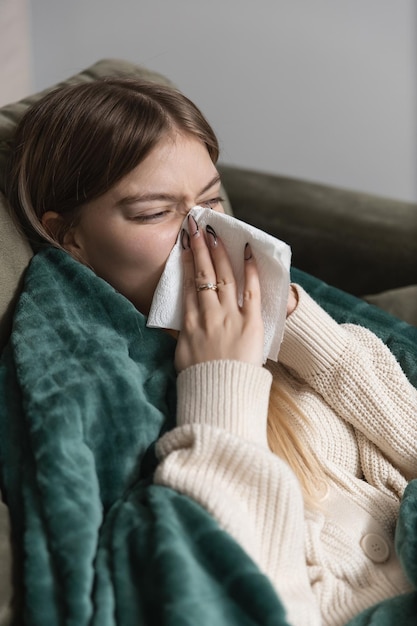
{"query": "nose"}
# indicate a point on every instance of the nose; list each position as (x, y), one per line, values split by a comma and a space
(189, 206)
(184, 210)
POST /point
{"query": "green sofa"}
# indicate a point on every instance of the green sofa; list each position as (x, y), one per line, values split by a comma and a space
(357, 242)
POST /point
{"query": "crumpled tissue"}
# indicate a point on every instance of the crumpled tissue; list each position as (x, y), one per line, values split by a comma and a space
(273, 258)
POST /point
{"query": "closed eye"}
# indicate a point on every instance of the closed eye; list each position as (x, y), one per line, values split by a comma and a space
(150, 217)
(212, 203)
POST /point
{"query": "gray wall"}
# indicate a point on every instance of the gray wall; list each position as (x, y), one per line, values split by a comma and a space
(324, 90)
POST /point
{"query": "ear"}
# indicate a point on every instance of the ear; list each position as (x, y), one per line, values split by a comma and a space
(56, 226)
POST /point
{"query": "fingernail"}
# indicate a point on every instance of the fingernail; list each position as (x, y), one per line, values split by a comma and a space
(185, 240)
(193, 226)
(248, 252)
(211, 236)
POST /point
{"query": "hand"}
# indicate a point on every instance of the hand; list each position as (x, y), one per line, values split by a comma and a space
(215, 326)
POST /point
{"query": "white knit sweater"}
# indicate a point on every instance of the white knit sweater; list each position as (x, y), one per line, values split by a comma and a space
(330, 563)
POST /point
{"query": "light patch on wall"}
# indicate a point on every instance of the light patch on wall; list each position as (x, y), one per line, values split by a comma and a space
(15, 63)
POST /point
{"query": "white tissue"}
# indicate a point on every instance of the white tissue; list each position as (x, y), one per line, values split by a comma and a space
(273, 259)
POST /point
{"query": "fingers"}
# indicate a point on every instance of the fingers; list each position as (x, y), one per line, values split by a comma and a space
(206, 262)
(204, 271)
(252, 289)
(214, 325)
(198, 270)
(211, 267)
(225, 279)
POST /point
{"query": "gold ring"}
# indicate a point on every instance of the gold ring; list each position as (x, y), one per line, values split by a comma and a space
(207, 286)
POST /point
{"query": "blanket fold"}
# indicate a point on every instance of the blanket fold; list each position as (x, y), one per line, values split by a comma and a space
(87, 390)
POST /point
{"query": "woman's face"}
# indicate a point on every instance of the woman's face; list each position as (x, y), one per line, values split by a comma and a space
(126, 235)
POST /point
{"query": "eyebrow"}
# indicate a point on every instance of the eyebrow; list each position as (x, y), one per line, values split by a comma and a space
(165, 197)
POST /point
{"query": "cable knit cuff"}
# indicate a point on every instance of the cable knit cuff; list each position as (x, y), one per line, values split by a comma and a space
(230, 395)
(312, 341)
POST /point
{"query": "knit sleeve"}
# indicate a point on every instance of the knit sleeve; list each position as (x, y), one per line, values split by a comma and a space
(358, 376)
(218, 455)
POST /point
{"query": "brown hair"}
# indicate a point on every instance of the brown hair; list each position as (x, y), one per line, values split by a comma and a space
(78, 141)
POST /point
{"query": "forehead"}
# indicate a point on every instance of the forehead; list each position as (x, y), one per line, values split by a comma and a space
(175, 162)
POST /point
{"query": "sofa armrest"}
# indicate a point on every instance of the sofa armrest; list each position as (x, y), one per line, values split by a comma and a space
(358, 242)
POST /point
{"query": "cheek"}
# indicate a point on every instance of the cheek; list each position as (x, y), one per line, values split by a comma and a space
(160, 246)
(126, 253)
(150, 249)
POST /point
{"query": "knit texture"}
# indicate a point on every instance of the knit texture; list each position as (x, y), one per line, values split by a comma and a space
(361, 427)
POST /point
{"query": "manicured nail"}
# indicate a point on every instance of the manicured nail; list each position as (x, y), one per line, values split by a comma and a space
(248, 252)
(211, 236)
(185, 240)
(193, 226)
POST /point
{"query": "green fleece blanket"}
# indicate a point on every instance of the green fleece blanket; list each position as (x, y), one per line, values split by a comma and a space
(86, 390)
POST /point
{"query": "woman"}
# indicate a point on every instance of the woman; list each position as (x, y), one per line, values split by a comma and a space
(307, 477)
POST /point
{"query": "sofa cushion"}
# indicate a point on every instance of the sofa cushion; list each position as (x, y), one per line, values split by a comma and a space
(15, 254)
(401, 302)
